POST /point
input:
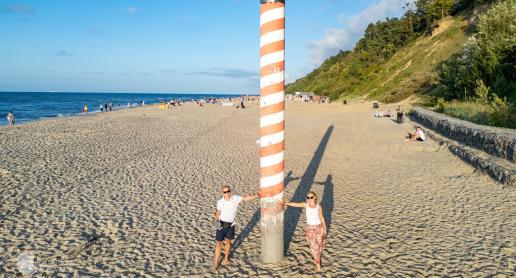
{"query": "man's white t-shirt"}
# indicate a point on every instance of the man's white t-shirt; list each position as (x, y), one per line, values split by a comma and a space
(421, 134)
(228, 208)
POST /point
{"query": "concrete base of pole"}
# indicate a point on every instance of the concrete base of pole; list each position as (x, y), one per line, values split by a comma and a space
(272, 229)
(272, 246)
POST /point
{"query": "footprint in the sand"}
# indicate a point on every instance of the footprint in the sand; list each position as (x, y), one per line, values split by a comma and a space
(4, 172)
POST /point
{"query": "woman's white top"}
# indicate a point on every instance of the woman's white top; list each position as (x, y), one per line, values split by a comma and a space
(312, 215)
(421, 134)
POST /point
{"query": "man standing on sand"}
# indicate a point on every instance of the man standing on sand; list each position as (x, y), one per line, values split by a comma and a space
(225, 217)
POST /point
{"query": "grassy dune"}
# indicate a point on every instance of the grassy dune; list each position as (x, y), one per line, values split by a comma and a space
(413, 68)
(410, 70)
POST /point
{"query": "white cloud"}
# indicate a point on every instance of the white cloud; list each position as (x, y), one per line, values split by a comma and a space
(132, 10)
(345, 38)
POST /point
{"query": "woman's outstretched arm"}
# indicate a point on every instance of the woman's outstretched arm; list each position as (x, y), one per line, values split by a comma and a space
(251, 197)
(297, 205)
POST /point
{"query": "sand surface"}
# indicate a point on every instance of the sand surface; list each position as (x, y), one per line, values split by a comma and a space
(146, 181)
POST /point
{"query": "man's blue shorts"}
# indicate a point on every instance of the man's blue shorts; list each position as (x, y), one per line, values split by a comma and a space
(227, 233)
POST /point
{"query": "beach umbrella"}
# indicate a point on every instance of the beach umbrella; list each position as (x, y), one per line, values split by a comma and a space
(272, 125)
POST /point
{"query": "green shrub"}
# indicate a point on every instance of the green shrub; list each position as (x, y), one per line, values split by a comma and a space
(502, 113)
(459, 74)
(440, 104)
(489, 55)
(497, 112)
(482, 92)
(470, 111)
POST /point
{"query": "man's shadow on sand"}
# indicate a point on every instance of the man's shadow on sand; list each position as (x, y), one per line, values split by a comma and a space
(292, 215)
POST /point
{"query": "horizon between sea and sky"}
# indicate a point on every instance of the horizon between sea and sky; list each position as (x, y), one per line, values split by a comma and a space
(167, 46)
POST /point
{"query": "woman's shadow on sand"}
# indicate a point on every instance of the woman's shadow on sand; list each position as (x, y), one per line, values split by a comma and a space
(292, 215)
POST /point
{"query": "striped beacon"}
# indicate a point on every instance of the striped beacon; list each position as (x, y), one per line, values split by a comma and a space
(272, 127)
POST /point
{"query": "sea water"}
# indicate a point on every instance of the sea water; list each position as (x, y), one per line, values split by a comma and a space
(29, 106)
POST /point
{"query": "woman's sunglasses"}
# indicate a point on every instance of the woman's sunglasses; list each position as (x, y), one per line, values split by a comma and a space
(226, 191)
(309, 197)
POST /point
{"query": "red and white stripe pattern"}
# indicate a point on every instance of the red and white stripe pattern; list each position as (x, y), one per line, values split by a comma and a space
(272, 109)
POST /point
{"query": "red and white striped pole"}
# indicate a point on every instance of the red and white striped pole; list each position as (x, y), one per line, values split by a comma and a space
(272, 127)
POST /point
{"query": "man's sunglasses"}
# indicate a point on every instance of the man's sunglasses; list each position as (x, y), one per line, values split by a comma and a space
(226, 191)
(309, 197)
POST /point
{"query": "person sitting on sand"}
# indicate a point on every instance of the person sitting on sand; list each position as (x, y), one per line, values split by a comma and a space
(378, 113)
(315, 226)
(388, 114)
(225, 217)
(419, 135)
(10, 118)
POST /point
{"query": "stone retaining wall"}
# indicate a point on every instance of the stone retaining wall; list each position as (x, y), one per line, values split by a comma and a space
(499, 142)
(498, 168)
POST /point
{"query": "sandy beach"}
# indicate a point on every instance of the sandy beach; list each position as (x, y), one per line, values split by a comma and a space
(132, 193)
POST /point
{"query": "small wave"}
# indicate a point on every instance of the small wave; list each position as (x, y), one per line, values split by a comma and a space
(47, 117)
(60, 115)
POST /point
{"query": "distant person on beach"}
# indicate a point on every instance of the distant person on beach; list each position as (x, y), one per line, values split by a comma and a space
(399, 115)
(225, 219)
(85, 109)
(10, 118)
(388, 114)
(242, 103)
(101, 107)
(315, 226)
(419, 135)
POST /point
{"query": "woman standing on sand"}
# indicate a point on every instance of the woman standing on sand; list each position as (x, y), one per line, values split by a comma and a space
(10, 118)
(315, 226)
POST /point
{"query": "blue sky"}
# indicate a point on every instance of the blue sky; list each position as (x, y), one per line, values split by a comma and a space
(163, 46)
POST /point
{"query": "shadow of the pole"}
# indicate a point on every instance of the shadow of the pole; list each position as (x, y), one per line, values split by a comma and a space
(303, 188)
(292, 215)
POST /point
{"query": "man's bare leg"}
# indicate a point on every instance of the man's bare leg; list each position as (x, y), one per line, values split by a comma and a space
(218, 248)
(228, 248)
